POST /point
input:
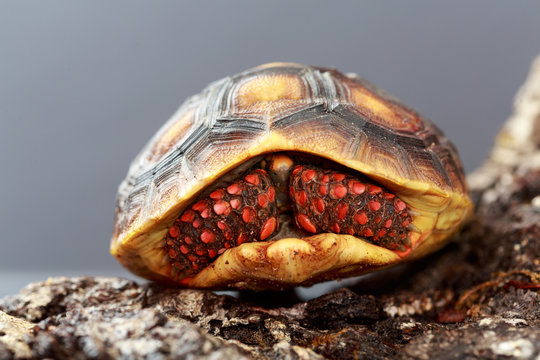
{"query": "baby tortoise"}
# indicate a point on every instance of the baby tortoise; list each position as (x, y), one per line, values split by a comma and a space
(287, 175)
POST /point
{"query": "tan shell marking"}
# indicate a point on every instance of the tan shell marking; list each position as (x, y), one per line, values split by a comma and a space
(382, 112)
(171, 135)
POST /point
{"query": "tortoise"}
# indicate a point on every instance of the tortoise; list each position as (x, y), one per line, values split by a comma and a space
(287, 175)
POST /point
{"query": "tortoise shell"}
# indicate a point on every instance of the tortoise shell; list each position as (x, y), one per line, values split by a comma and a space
(297, 109)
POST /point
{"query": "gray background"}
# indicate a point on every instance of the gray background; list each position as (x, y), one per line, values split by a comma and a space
(83, 85)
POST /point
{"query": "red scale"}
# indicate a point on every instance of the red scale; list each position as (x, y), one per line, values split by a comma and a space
(322, 201)
(349, 208)
(222, 220)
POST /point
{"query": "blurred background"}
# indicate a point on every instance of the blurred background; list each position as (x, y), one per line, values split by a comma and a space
(83, 86)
